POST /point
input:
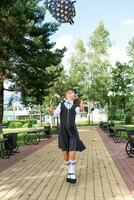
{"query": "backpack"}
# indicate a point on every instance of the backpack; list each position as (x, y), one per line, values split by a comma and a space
(62, 10)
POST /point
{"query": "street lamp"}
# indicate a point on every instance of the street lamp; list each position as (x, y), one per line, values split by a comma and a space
(110, 94)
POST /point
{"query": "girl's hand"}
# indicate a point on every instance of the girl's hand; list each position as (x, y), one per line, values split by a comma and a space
(50, 111)
(81, 106)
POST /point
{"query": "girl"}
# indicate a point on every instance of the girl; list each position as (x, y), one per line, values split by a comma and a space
(68, 138)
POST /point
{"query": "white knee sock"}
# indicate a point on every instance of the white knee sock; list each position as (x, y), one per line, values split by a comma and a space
(67, 163)
(72, 168)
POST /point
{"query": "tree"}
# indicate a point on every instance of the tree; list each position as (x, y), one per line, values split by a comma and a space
(122, 86)
(90, 68)
(27, 57)
(98, 66)
(59, 88)
(130, 50)
(78, 67)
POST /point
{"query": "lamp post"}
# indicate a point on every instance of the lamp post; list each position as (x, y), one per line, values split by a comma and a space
(110, 94)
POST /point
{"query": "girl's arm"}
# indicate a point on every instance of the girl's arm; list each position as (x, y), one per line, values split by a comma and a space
(56, 111)
(50, 111)
(81, 106)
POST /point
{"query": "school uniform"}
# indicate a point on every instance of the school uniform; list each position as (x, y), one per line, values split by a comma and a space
(68, 138)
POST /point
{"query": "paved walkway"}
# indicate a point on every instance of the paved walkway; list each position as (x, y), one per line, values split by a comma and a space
(23, 152)
(42, 174)
(121, 159)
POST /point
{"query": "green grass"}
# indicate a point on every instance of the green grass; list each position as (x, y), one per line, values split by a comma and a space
(85, 123)
(20, 139)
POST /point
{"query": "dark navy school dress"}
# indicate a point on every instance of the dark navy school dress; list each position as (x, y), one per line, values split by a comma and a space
(68, 138)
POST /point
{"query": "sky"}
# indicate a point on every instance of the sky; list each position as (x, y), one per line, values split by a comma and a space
(118, 17)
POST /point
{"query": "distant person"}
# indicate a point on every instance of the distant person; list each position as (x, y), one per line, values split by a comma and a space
(68, 138)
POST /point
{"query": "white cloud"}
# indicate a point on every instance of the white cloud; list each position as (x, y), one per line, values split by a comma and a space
(65, 60)
(128, 21)
(118, 55)
(64, 41)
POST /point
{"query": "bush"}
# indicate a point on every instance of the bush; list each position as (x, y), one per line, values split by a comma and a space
(25, 125)
(15, 124)
(20, 123)
(128, 119)
(119, 116)
(30, 124)
(55, 130)
(34, 121)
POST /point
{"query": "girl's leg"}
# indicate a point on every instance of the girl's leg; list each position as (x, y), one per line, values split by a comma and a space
(66, 156)
(72, 158)
(67, 164)
(72, 155)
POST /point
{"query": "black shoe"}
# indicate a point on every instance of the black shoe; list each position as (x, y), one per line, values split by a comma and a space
(72, 180)
(68, 177)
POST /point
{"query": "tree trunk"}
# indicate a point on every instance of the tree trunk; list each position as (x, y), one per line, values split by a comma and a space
(1, 101)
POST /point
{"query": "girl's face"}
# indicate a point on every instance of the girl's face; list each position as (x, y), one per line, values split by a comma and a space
(70, 95)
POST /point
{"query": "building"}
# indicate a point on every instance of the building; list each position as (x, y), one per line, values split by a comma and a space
(15, 111)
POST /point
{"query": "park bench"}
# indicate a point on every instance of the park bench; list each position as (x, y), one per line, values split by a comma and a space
(130, 144)
(5, 153)
(103, 125)
(33, 137)
(4, 125)
(117, 134)
(8, 142)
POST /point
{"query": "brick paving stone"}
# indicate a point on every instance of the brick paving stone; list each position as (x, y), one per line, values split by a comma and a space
(42, 174)
(124, 164)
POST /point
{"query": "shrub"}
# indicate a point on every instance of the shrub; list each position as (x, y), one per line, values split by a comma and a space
(14, 124)
(128, 119)
(25, 125)
(34, 121)
(30, 124)
(20, 123)
(119, 116)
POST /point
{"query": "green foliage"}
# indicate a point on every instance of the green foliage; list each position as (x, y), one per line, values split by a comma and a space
(122, 86)
(130, 50)
(99, 41)
(21, 123)
(128, 118)
(78, 67)
(34, 121)
(59, 88)
(98, 65)
(25, 125)
(15, 124)
(90, 67)
(27, 57)
(119, 115)
(93, 74)
(30, 124)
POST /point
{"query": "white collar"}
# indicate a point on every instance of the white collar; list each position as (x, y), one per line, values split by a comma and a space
(69, 101)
